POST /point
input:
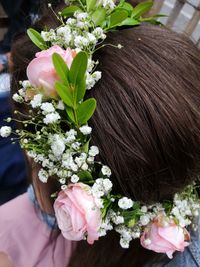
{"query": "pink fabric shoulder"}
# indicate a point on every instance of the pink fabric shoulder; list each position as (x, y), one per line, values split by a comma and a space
(27, 240)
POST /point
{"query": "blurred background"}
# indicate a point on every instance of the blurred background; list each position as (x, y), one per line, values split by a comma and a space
(15, 17)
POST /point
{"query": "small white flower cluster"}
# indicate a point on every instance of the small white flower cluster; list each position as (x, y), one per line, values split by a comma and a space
(101, 187)
(184, 209)
(106, 226)
(47, 109)
(49, 36)
(19, 97)
(36, 101)
(78, 33)
(125, 203)
(108, 4)
(5, 131)
(92, 79)
(127, 234)
(62, 153)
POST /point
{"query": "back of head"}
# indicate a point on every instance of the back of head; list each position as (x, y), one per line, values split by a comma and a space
(147, 121)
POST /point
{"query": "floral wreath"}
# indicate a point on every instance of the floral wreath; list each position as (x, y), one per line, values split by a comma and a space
(58, 77)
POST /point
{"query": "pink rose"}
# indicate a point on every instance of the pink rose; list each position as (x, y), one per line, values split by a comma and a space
(77, 214)
(163, 238)
(41, 72)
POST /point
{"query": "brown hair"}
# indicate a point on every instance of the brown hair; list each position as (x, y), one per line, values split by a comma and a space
(146, 125)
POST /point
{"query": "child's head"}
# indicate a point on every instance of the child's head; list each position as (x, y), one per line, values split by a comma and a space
(147, 121)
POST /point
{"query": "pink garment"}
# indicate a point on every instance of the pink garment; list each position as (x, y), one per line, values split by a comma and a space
(27, 240)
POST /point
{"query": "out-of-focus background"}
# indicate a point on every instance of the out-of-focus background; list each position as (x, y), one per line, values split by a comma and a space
(182, 16)
(15, 16)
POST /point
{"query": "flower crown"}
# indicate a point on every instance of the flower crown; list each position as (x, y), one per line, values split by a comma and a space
(58, 77)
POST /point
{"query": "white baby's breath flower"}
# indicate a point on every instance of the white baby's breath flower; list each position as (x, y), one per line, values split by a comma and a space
(18, 98)
(101, 187)
(91, 64)
(147, 242)
(90, 81)
(60, 105)
(47, 108)
(79, 161)
(43, 175)
(63, 30)
(106, 171)
(96, 75)
(107, 184)
(9, 120)
(57, 145)
(62, 181)
(118, 219)
(71, 136)
(125, 203)
(93, 151)
(124, 243)
(105, 226)
(99, 33)
(64, 186)
(84, 167)
(65, 34)
(81, 42)
(76, 145)
(144, 219)
(90, 160)
(71, 21)
(37, 101)
(108, 4)
(74, 178)
(73, 167)
(144, 209)
(48, 36)
(85, 129)
(5, 131)
(26, 84)
(22, 92)
(92, 39)
(51, 118)
(81, 15)
(31, 154)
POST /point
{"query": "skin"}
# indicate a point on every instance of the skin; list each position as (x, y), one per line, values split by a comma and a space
(4, 260)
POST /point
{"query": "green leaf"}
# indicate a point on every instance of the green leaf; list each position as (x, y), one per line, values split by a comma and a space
(61, 67)
(153, 19)
(90, 4)
(125, 6)
(140, 9)
(85, 147)
(64, 93)
(85, 175)
(78, 68)
(70, 114)
(80, 89)
(99, 16)
(36, 38)
(85, 110)
(117, 18)
(69, 11)
(130, 22)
